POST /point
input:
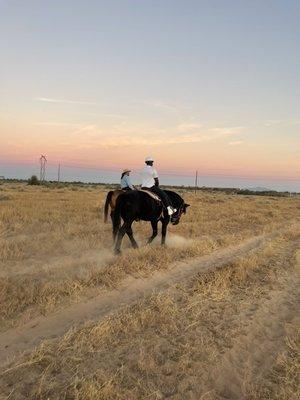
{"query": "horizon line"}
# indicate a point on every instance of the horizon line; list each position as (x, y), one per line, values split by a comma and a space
(191, 174)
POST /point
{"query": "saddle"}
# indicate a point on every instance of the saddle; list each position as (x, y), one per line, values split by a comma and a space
(151, 194)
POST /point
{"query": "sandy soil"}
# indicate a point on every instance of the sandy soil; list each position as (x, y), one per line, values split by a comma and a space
(31, 334)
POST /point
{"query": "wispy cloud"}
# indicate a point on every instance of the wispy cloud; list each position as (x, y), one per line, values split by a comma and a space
(236, 142)
(281, 123)
(224, 131)
(273, 122)
(189, 127)
(117, 116)
(165, 106)
(64, 101)
(160, 104)
(57, 124)
(124, 141)
(123, 135)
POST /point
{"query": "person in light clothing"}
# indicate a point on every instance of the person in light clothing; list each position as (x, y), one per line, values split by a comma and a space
(150, 182)
(126, 181)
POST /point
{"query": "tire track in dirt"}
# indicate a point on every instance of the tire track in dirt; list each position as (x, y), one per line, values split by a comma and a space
(17, 340)
(254, 351)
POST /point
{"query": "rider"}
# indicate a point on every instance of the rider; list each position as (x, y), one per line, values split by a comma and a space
(150, 182)
(126, 181)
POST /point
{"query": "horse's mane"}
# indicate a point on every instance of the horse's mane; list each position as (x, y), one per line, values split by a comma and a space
(174, 196)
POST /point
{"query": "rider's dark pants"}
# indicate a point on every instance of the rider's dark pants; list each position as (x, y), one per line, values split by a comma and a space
(162, 194)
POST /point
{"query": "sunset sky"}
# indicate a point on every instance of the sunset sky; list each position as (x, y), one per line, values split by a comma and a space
(200, 85)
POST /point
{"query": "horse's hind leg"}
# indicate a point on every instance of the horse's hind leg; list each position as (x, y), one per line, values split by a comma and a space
(130, 235)
(119, 235)
(154, 231)
(125, 228)
(115, 229)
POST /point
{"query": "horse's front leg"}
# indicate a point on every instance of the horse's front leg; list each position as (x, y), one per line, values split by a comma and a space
(154, 231)
(165, 223)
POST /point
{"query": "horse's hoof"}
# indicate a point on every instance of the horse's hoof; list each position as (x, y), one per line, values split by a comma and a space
(117, 252)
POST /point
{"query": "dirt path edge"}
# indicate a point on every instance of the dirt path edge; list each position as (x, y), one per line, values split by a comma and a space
(15, 341)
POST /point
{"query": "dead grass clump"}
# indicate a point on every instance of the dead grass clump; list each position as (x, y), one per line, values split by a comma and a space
(286, 372)
(4, 197)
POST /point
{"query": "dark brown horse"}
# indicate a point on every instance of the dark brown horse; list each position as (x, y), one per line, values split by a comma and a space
(136, 205)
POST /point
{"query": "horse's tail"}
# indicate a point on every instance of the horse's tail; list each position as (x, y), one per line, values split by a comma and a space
(107, 202)
(117, 217)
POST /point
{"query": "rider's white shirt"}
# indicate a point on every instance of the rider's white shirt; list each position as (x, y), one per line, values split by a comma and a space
(148, 174)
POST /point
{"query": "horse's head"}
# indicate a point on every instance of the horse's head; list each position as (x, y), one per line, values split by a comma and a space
(175, 218)
(178, 203)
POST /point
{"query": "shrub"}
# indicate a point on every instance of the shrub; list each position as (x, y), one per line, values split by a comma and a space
(33, 180)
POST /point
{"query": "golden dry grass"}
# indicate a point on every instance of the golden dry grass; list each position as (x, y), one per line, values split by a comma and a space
(228, 334)
(220, 336)
(54, 246)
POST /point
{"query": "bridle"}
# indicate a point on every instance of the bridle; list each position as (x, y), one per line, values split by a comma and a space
(176, 216)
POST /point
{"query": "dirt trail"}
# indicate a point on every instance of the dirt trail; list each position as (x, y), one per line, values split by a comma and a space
(57, 264)
(254, 350)
(17, 340)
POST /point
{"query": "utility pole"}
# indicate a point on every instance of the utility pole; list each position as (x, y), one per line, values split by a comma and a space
(43, 161)
(196, 182)
(58, 173)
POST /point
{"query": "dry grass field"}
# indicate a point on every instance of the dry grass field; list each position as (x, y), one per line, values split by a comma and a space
(226, 329)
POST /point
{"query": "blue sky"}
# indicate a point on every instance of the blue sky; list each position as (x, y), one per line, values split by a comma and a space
(208, 85)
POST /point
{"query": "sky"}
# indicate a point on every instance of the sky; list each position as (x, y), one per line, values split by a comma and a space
(200, 85)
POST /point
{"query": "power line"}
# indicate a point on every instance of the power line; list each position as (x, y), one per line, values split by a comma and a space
(206, 173)
(58, 173)
(163, 173)
(43, 161)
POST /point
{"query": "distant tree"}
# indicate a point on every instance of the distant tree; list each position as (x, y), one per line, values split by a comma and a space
(33, 180)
